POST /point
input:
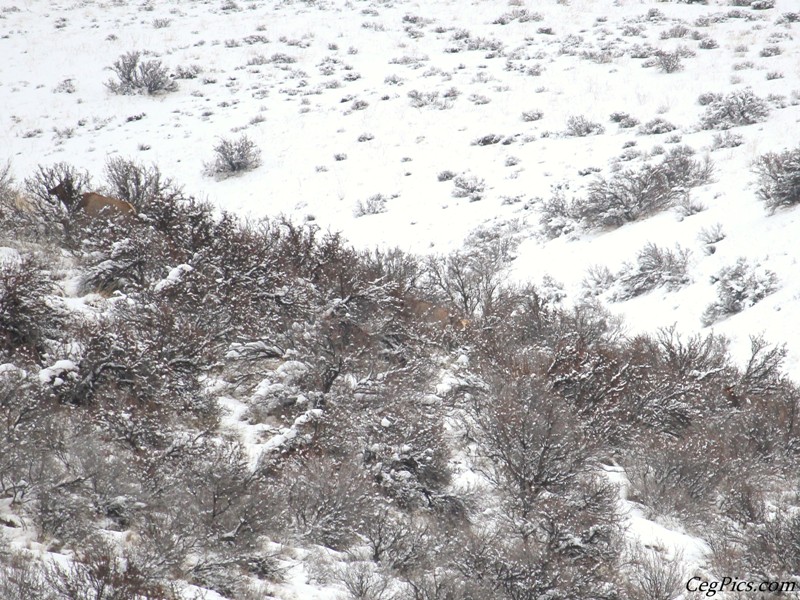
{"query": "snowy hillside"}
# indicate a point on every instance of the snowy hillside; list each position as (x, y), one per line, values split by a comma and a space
(571, 156)
(401, 92)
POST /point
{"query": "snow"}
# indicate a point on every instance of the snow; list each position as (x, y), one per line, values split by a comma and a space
(174, 276)
(55, 373)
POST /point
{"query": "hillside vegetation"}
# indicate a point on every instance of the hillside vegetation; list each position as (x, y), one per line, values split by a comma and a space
(188, 397)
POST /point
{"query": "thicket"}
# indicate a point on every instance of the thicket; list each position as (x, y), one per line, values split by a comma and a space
(110, 420)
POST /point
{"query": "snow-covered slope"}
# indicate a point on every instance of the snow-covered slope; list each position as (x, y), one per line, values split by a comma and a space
(419, 83)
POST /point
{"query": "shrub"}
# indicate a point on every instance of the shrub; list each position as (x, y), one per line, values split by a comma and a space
(579, 126)
(668, 62)
(234, 156)
(708, 44)
(738, 287)
(654, 576)
(532, 115)
(634, 194)
(140, 185)
(657, 126)
(445, 175)
(762, 4)
(726, 139)
(557, 214)
(27, 317)
(673, 478)
(7, 191)
(708, 98)
(770, 51)
(676, 31)
(140, 76)
(325, 500)
(740, 107)
(779, 178)
(371, 206)
(468, 186)
(487, 140)
(711, 235)
(655, 267)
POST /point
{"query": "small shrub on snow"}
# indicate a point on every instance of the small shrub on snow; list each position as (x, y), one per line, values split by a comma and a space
(770, 51)
(738, 287)
(488, 140)
(788, 18)
(657, 126)
(468, 187)
(711, 235)
(445, 175)
(373, 205)
(740, 107)
(598, 279)
(234, 156)
(655, 267)
(676, 31)
(726, 139)
(779, 178)
(762, 4)
(708, 98)
(135, 75)
(708, 44)
(532, 115)
(669, 62)
(557, 215)
(579, 126)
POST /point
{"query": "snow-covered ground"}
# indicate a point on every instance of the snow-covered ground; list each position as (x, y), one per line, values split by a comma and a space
(348, 100)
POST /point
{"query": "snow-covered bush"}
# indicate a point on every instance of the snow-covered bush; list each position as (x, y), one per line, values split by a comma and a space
(653, 575)
(726, 139)
(668, 62)
(532, 115)
(779, 178)
(708, 44)
(738, 287)
(683, 171)
(657, 126)
(633, 194)
(580, 126)
(326, 500)
(468, 186)
(21, 578)
(674, 478)
(654, 267)
(135, 75)
(624, 120)
(138, 184)
(28, 318)
(373, 205)
(628, 196)
(707, 98)
(557, 214)
(234, 156)
(740, 107)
